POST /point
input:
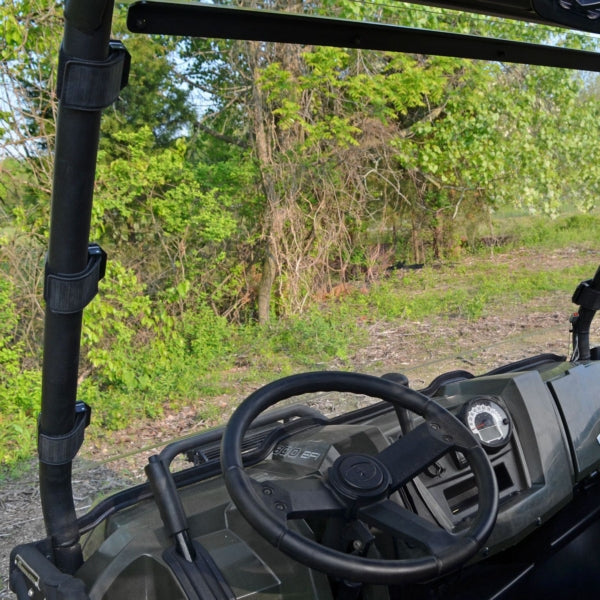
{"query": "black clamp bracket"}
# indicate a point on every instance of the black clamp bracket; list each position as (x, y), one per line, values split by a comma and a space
(586, 296)
(92, 85)
(34, 577)
(68, 294)
(62, 449)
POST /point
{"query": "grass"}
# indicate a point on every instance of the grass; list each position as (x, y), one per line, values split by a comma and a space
(541, 258)
(524, 230)
(467, 292)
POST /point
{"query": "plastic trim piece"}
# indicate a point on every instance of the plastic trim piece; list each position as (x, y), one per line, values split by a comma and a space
(201, 579)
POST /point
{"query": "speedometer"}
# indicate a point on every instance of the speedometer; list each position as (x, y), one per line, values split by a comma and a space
(488, 422)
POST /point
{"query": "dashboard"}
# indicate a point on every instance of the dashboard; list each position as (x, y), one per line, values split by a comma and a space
(539, 423)
(539, 426)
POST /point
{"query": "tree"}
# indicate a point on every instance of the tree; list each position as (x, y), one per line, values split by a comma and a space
(311, 113)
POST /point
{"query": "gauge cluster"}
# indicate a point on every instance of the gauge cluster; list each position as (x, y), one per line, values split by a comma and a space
(488, 421)
(513, 416)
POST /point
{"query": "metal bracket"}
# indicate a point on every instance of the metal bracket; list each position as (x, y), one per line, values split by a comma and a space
(34, 577)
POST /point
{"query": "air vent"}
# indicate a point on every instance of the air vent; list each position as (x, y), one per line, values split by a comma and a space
(211, 453)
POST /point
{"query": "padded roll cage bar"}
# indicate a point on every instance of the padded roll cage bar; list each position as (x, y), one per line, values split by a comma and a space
(85, 41)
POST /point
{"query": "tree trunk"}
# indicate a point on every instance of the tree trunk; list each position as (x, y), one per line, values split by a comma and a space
(269, 271)
(263, 148)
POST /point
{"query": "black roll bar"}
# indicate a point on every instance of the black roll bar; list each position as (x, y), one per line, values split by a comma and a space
(587, 298)
(86, 38)
(215, 21)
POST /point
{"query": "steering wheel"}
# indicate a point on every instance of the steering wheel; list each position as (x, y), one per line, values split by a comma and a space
(358, 486)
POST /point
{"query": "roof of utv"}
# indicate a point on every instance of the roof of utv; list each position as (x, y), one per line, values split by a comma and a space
(549, 12)
(574, 14)
(218, 21)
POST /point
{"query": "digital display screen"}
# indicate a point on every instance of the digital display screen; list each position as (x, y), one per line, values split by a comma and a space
(489, 434)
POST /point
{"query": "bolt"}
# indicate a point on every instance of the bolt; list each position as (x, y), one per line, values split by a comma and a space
(279, 505)
(435, 426)
(357, 545)
(267, 491)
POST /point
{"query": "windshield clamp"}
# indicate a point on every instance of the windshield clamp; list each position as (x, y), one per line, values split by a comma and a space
(92, 85)
(62, 449)
(68, 294)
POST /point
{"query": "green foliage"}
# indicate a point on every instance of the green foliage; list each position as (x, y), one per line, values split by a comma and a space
(139, 357)
(28, 58)
(575, 229)
(318, 337)
(149, 190)
(155, 97)
(325, 163)
(19, 387)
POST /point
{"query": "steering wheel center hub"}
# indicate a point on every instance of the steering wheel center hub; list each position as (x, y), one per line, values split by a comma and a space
(358, 477)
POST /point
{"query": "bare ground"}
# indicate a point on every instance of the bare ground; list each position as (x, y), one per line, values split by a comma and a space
(421, 350)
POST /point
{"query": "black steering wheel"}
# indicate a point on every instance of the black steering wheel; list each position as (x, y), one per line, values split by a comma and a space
(358, 486)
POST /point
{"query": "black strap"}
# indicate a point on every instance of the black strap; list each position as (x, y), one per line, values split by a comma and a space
(93, 85)
(586, 296)
(62, 449)
(67, 294)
